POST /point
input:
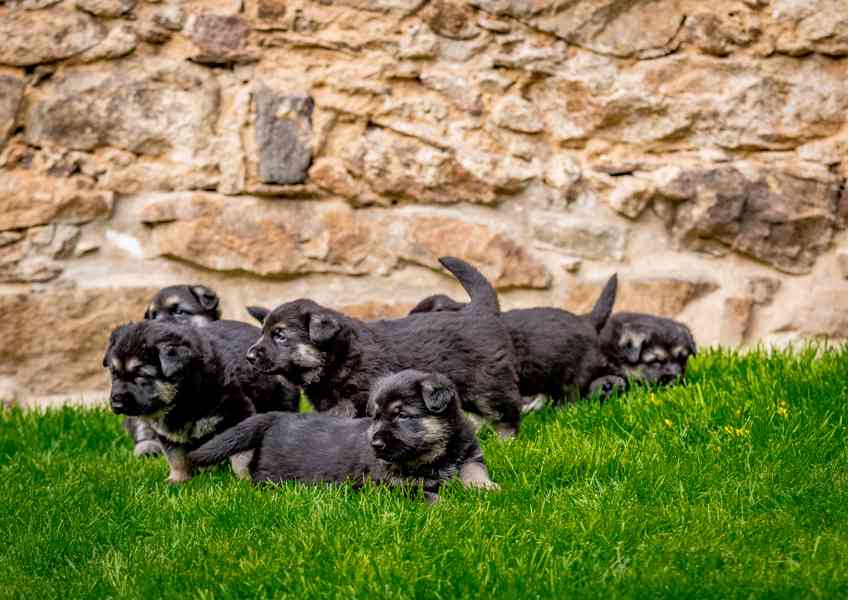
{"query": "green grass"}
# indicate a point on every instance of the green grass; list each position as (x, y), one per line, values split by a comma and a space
(733, 486)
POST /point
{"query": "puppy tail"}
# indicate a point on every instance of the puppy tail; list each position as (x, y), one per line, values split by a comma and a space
(482, 294)
(603, 307)
(247, 435)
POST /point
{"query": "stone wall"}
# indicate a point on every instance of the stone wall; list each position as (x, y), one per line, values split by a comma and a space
(274, 149)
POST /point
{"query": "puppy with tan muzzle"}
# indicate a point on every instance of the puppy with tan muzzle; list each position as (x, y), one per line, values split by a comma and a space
(186, 383)
(417, 436)
(337, 359)
(647, 348)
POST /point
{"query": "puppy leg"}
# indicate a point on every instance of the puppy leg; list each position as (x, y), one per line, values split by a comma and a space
(534, 403)
(476, 475)
(181, 470)
(241, 464)
(144, 438)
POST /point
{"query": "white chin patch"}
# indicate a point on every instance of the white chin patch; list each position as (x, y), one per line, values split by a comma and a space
(200, 321)
(307, 356)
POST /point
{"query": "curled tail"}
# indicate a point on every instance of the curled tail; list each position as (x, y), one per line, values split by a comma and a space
(481, 292)
(603, 307)
(244, 436)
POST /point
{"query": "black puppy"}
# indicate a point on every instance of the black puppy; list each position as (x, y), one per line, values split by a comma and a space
(191, 304)
(647, 348)
(557, 352)
(418, 436)
(337, 358)
(186, 383)
(199, 306)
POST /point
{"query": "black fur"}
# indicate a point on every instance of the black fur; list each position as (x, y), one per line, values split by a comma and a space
(648, 348)
(195, 304)
(337, 358)
(410, 440)
(557, 352)
(187, 383)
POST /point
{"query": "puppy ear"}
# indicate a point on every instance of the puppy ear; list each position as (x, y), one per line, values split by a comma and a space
(173, 358)
(438, 392)
(207, 299)
(260, 313)
(323, 328)
(147, 314)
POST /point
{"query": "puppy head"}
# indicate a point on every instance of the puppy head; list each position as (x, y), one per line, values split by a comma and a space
(413, 414)
(648, 348)
(298, 339)
(148, 362)
(437, 303)
(193, 304)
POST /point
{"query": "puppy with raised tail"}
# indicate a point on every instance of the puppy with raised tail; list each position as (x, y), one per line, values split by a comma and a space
(417, 436)
(337, 359)
(557, 353)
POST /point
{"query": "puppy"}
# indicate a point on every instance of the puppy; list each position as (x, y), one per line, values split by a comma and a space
(199, 306)
(337, 358)
(186, 383)
(192, 304)
(641, 347)
(557, 352)
(418, 435)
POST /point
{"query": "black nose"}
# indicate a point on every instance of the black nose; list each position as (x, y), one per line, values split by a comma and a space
(378, 444)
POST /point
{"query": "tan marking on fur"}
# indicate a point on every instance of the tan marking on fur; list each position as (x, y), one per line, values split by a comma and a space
(633, 372)
(534, 403)
(679, 351)
(634, 338)
(475, 475)
(116, 363)
(152, 308)
(505, 431)
(132, 364)
(167, 391)
(199, 320)
(307, 356)
(204, 426)
(241, 464)
(436, 436)
(180, 467)
(171, 301)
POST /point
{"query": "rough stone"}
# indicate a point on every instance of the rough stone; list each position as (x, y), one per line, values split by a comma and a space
(11, 93)
(418, 41)
(454, 87)
(501, 259)
(283, 136)
(821, 313)
(373, 311)
(631, 196)
(451, 20)
(31, 38)
(762, 289)
(122, 40)
(580, 237)
(663, 296)
(771, 215)
(736, 315)
(562, 171)
(156, 107)
(517, 114)
(220, 39)
(27, 200)
(68, 360)
(263, 237)
(106, 8)
(721, 32)
(811, 26)
(617, 27)
(36, 256)
(842, 263)
(399, 168)
(170, 17)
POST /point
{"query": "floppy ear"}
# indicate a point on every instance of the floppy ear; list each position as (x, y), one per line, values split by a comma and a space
(173, 358)
(109, 345)
(323, 328)
(438, 392)
(260, 313)
(207, 299)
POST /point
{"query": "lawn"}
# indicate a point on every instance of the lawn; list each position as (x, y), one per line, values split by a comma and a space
(731, 486)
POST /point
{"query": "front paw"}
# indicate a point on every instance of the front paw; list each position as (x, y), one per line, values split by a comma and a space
(178, 477)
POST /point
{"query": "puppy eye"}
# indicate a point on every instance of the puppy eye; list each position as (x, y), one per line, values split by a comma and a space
(279, 336)
(180, 311)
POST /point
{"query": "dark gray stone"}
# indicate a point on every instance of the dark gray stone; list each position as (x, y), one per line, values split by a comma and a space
(283, 135)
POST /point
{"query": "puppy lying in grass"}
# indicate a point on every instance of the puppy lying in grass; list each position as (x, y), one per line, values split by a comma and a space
(417, 436)
(186, 383)
(642, 347)
(198, 306)
(557, 352)
(337, 359)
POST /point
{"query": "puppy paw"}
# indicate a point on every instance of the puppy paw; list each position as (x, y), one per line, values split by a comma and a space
(506, 432)
(178, 478)
(148, 448)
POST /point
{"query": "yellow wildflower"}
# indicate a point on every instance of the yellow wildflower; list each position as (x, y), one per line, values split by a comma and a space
(668, 423)
(783, 409)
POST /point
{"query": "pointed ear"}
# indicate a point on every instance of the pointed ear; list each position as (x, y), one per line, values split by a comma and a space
(438, 392)
(260, 313)
(207, 299)
(147, 314)
(323, 328)
(173, 358)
